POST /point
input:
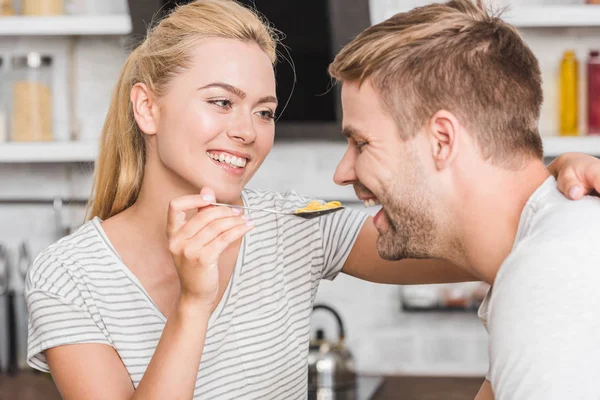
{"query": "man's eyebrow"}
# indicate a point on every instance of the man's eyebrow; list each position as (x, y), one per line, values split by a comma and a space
(349, 132)
(225, 86)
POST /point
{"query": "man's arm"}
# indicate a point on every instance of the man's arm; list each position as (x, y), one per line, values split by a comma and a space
(364, 263)
(544, 324)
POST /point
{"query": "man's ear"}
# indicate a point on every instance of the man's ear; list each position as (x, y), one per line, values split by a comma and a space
(144, 108)
(443, 131)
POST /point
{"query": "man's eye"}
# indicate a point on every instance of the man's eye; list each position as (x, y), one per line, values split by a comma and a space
(359, 145)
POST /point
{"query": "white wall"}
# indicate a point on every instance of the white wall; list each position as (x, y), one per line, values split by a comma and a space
(382, 337)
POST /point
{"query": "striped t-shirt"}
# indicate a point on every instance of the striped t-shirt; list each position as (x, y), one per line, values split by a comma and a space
(79, 291)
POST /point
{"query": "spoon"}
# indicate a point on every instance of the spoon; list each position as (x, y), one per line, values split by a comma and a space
(304, 214)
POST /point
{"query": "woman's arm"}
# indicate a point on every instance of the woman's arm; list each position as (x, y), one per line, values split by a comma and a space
(576, 173)
(364, 263)
(95, 371)
(485, 393)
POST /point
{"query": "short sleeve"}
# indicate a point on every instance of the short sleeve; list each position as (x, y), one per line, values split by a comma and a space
(57, 312)
(544, 325)
(339, 231)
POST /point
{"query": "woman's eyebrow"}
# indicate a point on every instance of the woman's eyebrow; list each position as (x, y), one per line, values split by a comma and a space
(225, 86)
(238, 92)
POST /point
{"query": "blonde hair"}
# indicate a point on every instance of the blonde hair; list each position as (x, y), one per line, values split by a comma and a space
(165, 51)
(453, 56)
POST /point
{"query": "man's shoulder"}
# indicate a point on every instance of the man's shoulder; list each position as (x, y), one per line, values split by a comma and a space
(543, 277)
(556, 215)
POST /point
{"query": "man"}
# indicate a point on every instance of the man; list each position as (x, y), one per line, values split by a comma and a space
(441, 107)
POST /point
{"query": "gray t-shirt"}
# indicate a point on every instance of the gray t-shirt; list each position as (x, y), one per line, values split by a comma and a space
(543, 312)
(79, 291)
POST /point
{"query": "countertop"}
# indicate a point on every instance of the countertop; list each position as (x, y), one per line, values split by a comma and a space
(40, 387)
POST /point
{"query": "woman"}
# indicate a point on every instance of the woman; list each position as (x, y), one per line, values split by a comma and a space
(162, 295)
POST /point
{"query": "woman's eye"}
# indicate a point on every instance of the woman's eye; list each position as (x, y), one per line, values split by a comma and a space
(222, 103)
(267, 114)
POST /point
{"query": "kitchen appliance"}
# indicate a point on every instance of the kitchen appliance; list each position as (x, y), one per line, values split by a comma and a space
(314, 31)
(331, 372)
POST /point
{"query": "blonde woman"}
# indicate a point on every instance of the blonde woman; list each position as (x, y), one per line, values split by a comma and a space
(161, 295)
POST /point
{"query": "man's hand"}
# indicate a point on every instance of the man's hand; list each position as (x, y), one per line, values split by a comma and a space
(577, 174)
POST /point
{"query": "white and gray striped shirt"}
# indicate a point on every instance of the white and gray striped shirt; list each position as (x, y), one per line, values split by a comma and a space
(79, 291)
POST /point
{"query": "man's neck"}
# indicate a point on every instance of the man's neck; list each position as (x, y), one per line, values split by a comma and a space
(489, 214)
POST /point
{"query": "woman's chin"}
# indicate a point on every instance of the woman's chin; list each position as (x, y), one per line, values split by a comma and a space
(229, 196)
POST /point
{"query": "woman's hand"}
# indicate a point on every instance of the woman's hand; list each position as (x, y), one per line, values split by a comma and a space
(196, 244)
(577, 174)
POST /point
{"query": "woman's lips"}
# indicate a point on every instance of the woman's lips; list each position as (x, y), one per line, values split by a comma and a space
(237, 171)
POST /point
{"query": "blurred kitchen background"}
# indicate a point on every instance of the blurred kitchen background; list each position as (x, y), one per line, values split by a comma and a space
(59, 63)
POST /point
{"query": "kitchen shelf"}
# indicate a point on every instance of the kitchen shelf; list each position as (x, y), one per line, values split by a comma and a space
(57, 152)
(54, 152)
(554, 16)
(583, 15)
(65, 25)
(555, 146)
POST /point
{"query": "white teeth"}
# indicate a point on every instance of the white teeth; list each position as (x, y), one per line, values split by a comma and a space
(229, 159)
(371, 202)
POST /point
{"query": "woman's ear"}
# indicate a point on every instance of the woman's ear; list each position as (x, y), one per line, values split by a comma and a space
(144, 109)
(443, 131)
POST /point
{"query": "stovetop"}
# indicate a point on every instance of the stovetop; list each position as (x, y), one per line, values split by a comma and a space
(367, 386)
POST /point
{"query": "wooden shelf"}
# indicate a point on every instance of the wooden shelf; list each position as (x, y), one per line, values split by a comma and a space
(527, 17)
(65, 25)
(54, 152)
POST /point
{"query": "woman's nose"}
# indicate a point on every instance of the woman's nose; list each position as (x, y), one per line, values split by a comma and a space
(242, 129)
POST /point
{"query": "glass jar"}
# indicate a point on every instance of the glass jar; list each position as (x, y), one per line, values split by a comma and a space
(43, 7)
(31, 114)
(7, 8)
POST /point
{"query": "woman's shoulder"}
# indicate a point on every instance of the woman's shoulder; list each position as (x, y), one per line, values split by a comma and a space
(66, 254)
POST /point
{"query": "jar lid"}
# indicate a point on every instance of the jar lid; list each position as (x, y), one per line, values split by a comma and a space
(31, 60)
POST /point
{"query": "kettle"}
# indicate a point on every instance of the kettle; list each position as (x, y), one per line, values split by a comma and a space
(331, 373)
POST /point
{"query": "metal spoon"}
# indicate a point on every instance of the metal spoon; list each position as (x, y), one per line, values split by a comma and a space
(305, 214)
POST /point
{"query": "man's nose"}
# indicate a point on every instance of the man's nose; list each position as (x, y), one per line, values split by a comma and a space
(344, 173)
